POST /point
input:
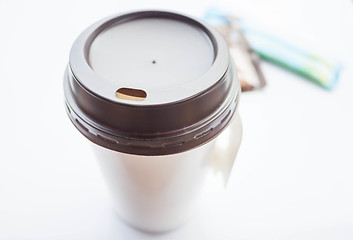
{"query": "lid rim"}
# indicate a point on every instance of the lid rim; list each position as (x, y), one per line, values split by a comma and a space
(162, 145)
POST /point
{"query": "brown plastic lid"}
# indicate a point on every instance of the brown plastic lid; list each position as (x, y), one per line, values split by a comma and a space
(150, 83)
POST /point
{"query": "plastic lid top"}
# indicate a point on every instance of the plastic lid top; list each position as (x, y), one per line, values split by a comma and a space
(168, 56)
(159, 56)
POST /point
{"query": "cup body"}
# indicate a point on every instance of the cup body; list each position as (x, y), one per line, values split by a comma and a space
(154, 193)
(157, 193)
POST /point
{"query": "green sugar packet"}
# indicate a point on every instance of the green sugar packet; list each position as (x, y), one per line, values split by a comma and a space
(321, 71)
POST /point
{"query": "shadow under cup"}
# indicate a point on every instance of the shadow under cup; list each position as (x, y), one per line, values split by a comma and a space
(153, 91)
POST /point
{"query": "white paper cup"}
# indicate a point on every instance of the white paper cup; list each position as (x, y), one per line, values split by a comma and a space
(153, 91)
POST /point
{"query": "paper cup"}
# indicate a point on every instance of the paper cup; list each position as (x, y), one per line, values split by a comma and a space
(152, 91)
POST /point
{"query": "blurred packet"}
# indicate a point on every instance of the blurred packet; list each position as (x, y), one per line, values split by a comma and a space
(322, 71)
(247, 62)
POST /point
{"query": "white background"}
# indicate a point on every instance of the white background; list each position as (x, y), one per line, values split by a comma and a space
(293, 177)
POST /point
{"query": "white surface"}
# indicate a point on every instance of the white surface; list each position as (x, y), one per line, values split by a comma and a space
(293, 175)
